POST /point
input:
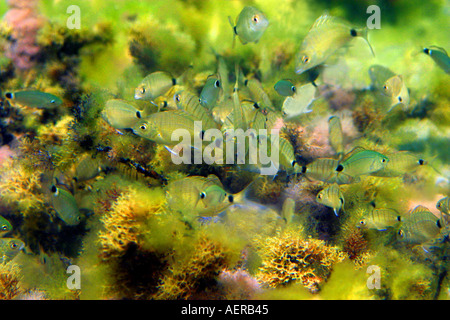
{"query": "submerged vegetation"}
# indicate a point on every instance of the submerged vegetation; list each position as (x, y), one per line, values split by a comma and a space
(87, 170)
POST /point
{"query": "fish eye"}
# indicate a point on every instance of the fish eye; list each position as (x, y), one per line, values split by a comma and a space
(400, 233)
(138, 114)
(52, 101)
(319, 196)
(438, 205)
(13, 245)
(9, 95)
(143, 126)
(177, 97)
(54, 189)
(202, 195)
(421, 162)
(255, 18)
(362, 222)
(383, 160)
(230, 198)
(305, 59)
(400, 99)
(426, 50)
(4, 227)
(293, 163)
(217, 84)
(143, 90)
(339, 168)
(385, 87)
(293, 89)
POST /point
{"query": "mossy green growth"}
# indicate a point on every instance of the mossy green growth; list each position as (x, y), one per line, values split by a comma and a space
(346, 283)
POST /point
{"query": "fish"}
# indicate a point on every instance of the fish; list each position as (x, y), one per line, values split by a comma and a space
(379, 75)
(9, 248)
(121, 114)
(300, 102)
(399, 163)
(361, 162)
(336, 137)
(288, 210)
(258, 94)
(443, 205)
(286, 153)
(88, 168)
(154, 85)
(210, 92)
(35, 99)
(380, 219)
(250, 25)
(285, 88)
(198, 196)
(189, 103)
(326, 36)
(323, 169)
(65, 205)
(158, 127)
(239, 120)
(395, 88)
(5, 226)
(420, 226)
(439, 56)
(331, 196)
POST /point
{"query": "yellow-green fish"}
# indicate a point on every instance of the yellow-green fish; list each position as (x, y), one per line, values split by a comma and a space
(154, 85)
(250, 25)
(380, 219)
(5, 226)
(361, 161)
(285, 88)
(443, 205)
(239, 120)
(35, 99)
(88, 168)
(198, 196)
(399, 163)
(326, 36)
(286, 155)
(331, 196)
(323, 169)
(379, 75)
(9, 248)
(440, 57)
(336, 137)
(65, 205)
(395, 88)
(419, 226)
(158, 127)
(257, 93)
(300, 102)
(288, 210)
(210, 92)
(189, 102)
(120, 114)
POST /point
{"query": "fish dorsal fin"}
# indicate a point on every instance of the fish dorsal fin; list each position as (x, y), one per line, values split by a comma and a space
(355, 150)
(323, 20)
(214, 179)
(438, 48)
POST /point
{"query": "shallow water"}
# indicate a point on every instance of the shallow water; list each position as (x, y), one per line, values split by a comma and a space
(88, 190)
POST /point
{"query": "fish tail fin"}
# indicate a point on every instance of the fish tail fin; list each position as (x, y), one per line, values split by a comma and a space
(234, 31)
(363, 33)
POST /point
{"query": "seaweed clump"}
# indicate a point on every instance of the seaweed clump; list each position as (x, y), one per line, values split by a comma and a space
(289, 258)
(10, 281)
